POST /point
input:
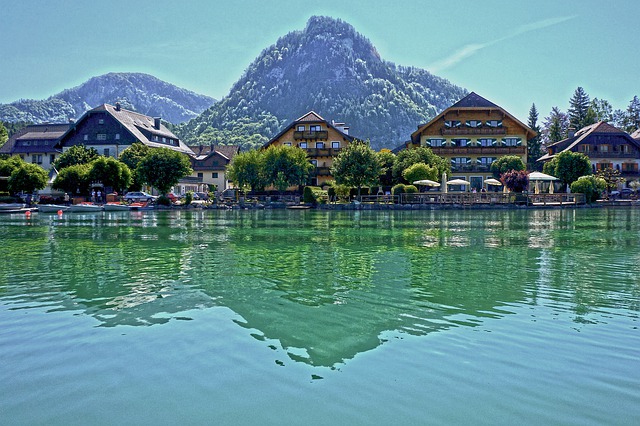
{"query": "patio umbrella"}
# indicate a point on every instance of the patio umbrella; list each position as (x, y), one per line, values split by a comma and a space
(444, 179)
(550, 187)
(492, 181)
(458, 182)
(426, 182)
(537, 188)
(541, 176)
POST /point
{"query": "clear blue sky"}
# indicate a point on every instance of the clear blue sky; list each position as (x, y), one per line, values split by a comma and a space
(512, 52)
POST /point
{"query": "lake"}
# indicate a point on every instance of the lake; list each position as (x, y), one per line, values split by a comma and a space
(321, 317)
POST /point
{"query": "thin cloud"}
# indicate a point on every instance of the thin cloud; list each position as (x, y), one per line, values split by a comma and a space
(471, 49)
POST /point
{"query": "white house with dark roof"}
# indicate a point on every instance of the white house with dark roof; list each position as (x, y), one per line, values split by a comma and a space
(210, 164)
(36, 143)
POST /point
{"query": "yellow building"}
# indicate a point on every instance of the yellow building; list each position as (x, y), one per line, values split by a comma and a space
(322, 140)
(473, 133)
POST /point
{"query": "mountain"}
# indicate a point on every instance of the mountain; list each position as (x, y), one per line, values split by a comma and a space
(139, 92)
(333, 70)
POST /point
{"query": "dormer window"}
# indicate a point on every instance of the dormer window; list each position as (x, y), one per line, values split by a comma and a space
(315, 128)
(494, 123)
(300, 128)
(474, 124)
(452, 124)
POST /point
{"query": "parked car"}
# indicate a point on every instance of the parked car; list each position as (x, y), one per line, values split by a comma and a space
(138, 196)
(626, 193)
(173, 197)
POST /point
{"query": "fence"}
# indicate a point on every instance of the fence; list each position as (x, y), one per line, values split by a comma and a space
(467, 198)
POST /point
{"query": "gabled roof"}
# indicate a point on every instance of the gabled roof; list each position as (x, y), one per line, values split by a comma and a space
(137, 124)
(471, 102)
(312, 117)
(601, 127)
(636, 134)
(33, 132)
(204, 151)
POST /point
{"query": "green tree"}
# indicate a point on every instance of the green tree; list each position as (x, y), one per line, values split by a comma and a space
(568, 166)
(420, 171)
(286, 166)
(611, 177)
(73, 179)
(28, 178)
(246, 170)
(163, 168)
(591, 186)
(110, 172)
(506, 164)
(386, 159)
(631, 117)
(77, 154)
(579, 116)
(408, 157)
(357, 165)
(555, 126)
(4, 134)
(9, 165)
(534, 145)
(601, 110)
(132, 157)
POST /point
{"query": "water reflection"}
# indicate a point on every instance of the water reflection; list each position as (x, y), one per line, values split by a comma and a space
(324, 285)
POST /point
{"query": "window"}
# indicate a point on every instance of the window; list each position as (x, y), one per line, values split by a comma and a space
(36, 158)
(630, 167)
(603, 148)
(26, 143)
(584, 148)
(315, 163)
(117, 136)
(320, 145)
(52, 158)
(494, 123)
(512, 141)
(335, 144)
(602, 166)
(200, 175)
(458, 161)
(450, 124)
(434, 142)
(474, 124)
(214, 175)
(300, 128)
(86, 137)
(487, 142)
(460, 142)
(164, 140)
(303, 145)
(315, 128)
(486, 161)
(106, 152)
(101, 121)
(287, 144)
(101, 136)
(625, 149)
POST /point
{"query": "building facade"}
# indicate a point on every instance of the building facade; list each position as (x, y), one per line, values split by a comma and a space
(322, 141)
(472, 134)
(36, 143)
(210, 164)
(605, 145)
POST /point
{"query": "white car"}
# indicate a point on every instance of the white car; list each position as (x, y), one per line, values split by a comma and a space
(138, 196)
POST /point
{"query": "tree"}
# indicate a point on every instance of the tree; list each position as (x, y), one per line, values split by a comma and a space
(73, 179)
(28, 178)
(515, 180)
(246, 170)
(9, 165)
(420, 171)
(162, 168)
(110, 172)
(386, 159)
(601, 110)
(132, 157)
(579, 116)
(568, 166)
(4, 134)
(357, 165)
(505, 164)
(77, 154)
(534, 145)
(591, 186)
(286, 166)
(631, 117)
(611, 177)
(408, 157)
(555, 126)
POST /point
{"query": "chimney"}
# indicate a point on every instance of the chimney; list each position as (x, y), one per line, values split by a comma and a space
(201, 148)
(117, 106)
(72, 120)
(156, 122)
(572, 132)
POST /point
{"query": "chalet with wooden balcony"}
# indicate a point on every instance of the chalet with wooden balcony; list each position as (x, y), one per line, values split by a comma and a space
(36, 143)
(605, 145)
(473, 133)
(210, 164)
(322, 140)
(111, 129)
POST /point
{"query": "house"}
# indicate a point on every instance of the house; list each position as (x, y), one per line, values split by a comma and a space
(36, 143)
(210, 162)
(110, 129)
(605, 145)
(322, 140)
(472, 134)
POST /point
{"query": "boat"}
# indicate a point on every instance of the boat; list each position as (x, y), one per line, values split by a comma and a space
(51, 208)
(116, 207)
(12, 206)
(85, 208)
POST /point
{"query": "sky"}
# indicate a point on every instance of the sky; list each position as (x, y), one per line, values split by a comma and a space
(514, 53)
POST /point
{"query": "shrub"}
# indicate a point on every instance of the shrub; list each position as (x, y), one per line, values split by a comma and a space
(398, 189)
(591, 186)
(515, 180)
(163, 200)
(410, 189)
(314, 195)
(188, 198)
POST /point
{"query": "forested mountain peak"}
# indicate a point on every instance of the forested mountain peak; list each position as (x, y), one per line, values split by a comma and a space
(136, 91)
(330, 68)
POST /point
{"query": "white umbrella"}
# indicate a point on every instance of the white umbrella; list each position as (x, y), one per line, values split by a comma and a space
(458, 182)
(550, 187)
(541, 176)
(492, 181)
(537, 189)
(426, 182)
(444, 179)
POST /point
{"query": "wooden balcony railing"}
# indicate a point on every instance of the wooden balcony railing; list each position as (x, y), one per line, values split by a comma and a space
(479, 150)
(321, 135)
(474, 131)
(322, 152)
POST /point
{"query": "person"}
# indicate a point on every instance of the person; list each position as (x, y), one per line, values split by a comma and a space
(483, 190)
(99, 196)
(28, 200)
(66, 199)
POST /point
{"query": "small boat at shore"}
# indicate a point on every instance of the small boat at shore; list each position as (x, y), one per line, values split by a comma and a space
(116, 207)
(51, 208)
(85, 208)
(11, 206)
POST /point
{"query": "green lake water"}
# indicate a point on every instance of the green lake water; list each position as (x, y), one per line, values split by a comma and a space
(321, 318)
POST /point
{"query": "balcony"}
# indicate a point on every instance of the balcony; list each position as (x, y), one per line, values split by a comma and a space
(478, 168)
(321, 171)
(479, 150)
(322, 152)
(611, 154)
(317, 135)
(462, 131)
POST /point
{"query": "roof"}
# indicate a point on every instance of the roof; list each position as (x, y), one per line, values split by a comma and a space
(313, 117)
(636, 134)
(137, 124)
(473, 101)
(204, 151)
(35, 132)
(597, 128)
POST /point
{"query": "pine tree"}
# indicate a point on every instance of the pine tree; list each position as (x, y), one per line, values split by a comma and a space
(631, 120)
(579, 110)
(601, 110)
(534, 147)
(556, 126)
